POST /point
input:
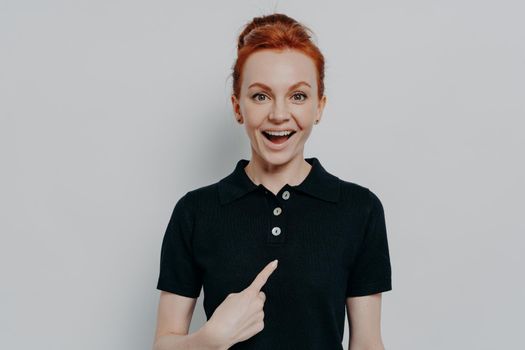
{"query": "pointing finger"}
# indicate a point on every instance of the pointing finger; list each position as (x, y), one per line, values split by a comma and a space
(263, 276)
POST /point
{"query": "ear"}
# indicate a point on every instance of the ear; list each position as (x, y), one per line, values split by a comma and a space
(236, 109)
(320, 107)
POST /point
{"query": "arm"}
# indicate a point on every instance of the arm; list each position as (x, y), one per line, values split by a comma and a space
(196, 340)
(173, 322)
(364, 320)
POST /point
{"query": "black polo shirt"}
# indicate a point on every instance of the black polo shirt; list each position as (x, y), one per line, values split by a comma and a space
(328, 234)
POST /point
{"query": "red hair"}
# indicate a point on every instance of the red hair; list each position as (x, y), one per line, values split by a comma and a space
(276, 31)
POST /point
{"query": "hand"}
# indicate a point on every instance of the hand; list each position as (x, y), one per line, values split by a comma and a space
(240, 316)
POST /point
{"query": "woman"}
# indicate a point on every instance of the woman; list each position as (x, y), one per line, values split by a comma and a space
(328, 235)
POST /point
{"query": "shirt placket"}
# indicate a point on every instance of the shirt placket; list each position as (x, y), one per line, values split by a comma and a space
(277, 213)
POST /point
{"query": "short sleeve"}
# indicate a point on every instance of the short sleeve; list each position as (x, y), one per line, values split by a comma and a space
(371, 270)
(179, 272)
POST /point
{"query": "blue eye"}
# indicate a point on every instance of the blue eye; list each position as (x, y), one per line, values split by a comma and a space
(259, 97)
(300, 94)
(254, 96)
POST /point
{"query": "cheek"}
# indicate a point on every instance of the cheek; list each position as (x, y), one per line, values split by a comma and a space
(305, 114)
(255, 113)
(306, 132)
(305, 122)
(251, 121)
(251, 127)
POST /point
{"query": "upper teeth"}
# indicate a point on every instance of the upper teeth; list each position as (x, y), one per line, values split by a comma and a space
(279, 133)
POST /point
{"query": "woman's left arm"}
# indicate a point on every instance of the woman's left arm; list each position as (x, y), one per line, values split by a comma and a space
(364, 320)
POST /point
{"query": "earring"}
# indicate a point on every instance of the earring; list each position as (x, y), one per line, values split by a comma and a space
(317, 122)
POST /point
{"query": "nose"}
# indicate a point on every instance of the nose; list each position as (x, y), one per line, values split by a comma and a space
(279, 112)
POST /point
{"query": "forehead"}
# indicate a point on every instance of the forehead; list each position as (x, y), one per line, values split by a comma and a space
(279, 68)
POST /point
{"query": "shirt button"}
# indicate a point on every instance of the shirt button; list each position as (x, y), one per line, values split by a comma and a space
(276, 231)
(286, 195)
(277, 211)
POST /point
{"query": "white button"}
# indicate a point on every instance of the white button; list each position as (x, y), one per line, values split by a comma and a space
(286, 195)
(277, 211)
(276, 231)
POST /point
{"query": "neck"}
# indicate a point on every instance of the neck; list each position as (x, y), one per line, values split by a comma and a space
(275, 176)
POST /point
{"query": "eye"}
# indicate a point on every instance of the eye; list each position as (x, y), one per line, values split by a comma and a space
(255, 97)
(301, 95)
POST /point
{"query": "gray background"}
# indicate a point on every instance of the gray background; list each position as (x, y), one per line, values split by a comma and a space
(112, 110)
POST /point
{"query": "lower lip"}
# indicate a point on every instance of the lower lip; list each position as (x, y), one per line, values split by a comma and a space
(277, 146)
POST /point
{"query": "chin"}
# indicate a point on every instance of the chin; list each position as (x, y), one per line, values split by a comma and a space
(278, 158)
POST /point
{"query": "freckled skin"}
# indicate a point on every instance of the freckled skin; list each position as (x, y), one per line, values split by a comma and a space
(278, 108)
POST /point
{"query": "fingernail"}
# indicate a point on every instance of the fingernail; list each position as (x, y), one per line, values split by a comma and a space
(274, 263)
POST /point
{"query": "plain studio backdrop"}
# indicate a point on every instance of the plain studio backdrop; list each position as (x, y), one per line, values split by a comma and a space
(112, 110)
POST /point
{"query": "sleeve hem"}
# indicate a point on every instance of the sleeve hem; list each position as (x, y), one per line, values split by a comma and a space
(372, 288)
(179, 289)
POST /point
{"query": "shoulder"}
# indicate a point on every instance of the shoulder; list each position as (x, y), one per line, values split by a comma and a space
(207, 197)
(358, 195)
(202, 198)
(357, 192)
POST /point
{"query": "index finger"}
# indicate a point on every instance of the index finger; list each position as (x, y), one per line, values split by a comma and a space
(263, 276)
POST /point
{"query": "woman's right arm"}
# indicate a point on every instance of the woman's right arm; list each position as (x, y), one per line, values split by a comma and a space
(173, 322)
(239, 317)
(196, 340)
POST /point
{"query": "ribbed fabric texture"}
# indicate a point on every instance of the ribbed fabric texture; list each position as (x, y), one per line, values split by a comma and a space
(329, 236)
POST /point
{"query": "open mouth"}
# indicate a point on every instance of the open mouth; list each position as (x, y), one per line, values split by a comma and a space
(278, 139)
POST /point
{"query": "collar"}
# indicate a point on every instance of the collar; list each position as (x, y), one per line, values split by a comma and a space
(318, 183)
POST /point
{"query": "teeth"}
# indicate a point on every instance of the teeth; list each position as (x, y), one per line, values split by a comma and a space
(279, 133)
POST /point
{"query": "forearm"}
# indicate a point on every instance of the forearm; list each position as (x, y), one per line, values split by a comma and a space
(199, 340)
(350, 347)
(375, 345)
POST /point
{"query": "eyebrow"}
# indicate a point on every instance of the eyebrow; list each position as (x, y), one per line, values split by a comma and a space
(291, 87)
